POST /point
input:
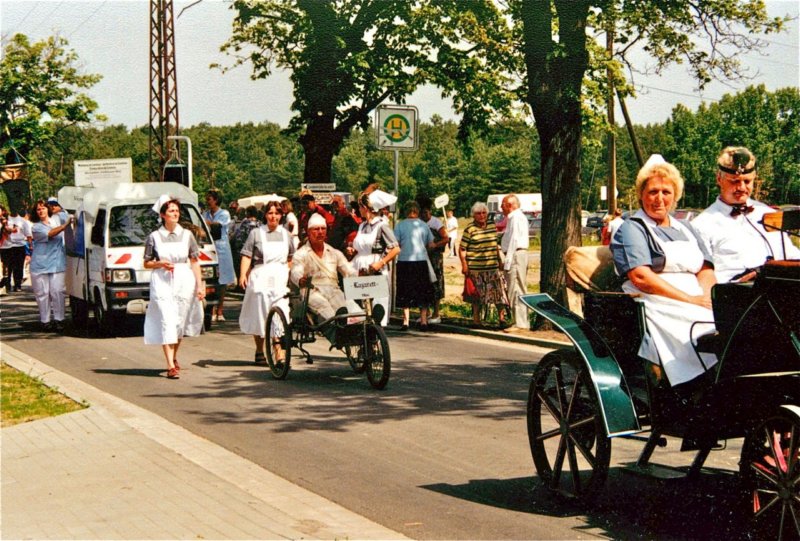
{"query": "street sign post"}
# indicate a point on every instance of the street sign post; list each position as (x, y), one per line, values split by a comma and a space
(396, 126)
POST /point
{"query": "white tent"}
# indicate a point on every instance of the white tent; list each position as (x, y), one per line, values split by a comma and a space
(259, 200)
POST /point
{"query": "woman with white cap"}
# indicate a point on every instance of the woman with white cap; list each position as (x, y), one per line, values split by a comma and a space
(670, 270)
(375, 245)
(175, 309)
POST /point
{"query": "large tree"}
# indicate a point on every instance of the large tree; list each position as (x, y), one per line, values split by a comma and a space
(558, 42)
(41, 92)
(348, 56)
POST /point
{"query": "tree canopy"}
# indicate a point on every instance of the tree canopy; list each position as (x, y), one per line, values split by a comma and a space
(41, 91)
(348, 56)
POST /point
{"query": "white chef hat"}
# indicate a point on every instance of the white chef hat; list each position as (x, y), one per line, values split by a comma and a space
(163, 198)
(316, 220)
(654, 159)
(379, 199)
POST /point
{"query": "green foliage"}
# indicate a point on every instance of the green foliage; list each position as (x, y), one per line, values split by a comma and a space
(41, 92)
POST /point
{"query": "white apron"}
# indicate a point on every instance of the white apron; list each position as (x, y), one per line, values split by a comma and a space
(362, 244)
(174, 310)
(267, 286)
(667, 340)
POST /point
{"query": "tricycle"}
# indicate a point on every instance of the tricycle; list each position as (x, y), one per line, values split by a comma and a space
(581, 398)
(358, 335)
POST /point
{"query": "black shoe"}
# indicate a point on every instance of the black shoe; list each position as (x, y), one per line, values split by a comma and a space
(404, 328)
(58, 326)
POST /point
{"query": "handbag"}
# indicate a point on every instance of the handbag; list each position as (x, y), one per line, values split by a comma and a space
(470, 293)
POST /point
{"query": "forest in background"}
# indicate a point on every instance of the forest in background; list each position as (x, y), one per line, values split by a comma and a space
(249, 159)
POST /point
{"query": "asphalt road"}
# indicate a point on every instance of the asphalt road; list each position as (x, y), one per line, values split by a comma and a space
(442, 453)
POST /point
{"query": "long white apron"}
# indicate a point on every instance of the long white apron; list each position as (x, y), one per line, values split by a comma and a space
(174, 310)
(267, 286)
(362, 244)
(668, 340)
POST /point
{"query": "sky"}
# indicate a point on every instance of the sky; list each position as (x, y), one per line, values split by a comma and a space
(111, 38)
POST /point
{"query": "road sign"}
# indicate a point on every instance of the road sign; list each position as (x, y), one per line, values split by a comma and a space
(396, 126)
(319, 186)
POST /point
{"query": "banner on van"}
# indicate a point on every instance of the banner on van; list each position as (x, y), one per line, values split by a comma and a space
(101, 172)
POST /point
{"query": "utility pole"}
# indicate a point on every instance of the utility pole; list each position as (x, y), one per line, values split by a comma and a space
(163, 85)
(611, 191)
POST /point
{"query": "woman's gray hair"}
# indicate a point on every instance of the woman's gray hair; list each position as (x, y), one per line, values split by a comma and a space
(479, 206)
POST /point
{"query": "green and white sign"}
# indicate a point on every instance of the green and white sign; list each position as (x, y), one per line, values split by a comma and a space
(396, 126)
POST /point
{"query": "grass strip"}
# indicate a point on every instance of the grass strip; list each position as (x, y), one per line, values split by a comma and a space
(24, 398)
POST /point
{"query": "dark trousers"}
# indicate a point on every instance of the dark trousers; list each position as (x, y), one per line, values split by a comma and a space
(13, 265)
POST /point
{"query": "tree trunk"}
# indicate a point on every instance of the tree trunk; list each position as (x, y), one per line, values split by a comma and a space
(555, 75)
(320, 144)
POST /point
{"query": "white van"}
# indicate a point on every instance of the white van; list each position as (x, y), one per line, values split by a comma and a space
(105, 251)
(530, 203)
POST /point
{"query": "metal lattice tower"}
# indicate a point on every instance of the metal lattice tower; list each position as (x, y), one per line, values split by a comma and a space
(163, 84)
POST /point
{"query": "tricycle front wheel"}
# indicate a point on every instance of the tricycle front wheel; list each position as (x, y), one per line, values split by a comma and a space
(770, 469)
(565, 427)
(375, 357)
(278, 330)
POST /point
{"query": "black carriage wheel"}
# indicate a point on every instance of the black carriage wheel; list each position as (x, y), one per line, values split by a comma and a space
(356, 361)
(770, 469)
(376, 357)
(279, 369)
(565, 424)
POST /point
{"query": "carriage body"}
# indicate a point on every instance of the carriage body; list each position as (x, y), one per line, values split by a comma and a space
(582, 398)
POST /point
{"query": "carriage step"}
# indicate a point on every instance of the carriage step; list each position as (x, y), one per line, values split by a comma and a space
(655, 471)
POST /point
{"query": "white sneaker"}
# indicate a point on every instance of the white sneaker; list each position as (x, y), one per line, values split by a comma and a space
(220, 317)
(434, 320)
(214, 318)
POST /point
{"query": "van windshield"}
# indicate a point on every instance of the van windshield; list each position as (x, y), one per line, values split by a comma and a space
(131, 224)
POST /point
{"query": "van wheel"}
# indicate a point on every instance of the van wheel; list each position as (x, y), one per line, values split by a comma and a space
(103, 319)
(79, 310)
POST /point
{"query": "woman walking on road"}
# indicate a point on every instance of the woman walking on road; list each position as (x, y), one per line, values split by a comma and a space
(176, 287)
(375, 245)
(264, 275)
(218, 216)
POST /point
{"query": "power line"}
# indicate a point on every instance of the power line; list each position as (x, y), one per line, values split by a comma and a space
(46, 17)
(35, 5)
(695, 96)
(87, 18)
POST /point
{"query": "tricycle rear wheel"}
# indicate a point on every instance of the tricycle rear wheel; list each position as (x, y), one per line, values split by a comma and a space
(277, 326)
(376, 357)
(770, 469)
(565, 423)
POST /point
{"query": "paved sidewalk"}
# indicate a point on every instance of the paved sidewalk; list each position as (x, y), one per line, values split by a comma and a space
(117, 471)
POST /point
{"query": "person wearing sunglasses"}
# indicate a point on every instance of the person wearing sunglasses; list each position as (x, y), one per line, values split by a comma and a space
(731, 227)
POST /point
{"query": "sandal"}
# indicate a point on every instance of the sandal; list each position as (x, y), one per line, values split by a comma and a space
(260, 358)
(175, 362)
(173, 373)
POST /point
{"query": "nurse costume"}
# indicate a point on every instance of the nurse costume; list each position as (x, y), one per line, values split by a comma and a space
(373, 239)
(667, 340)
(174, 310)
(267, 284)
(227, 275)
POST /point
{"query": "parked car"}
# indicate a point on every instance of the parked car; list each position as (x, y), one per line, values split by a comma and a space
(595, 219)
(534, 226)
(499, 220)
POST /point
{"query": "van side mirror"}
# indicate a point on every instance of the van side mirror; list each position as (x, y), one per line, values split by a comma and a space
(99, 228)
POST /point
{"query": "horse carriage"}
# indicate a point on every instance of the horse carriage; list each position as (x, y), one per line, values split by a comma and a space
(358, 335)
(582, 398)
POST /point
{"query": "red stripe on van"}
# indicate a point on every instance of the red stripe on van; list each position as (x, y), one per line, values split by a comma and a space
(124, 259)
(204, 257)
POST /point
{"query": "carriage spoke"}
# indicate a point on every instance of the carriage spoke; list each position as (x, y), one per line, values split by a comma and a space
(549, 434)
(549, 406)
(587, 454)
(558, 463)
(573, 465)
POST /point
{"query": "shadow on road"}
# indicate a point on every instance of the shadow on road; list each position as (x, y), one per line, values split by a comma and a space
(142, 372)
(709, 508)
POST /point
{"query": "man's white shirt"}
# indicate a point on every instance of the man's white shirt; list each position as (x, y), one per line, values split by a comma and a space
(740, 242)
(515, 236)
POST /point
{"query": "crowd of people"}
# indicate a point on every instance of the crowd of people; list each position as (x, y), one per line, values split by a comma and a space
(670, 264)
